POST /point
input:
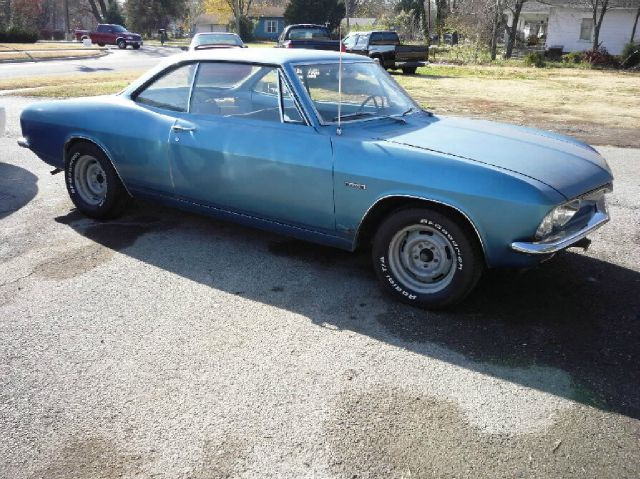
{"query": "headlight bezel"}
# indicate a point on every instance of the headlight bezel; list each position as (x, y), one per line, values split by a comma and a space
(556, 219)
(554, 223)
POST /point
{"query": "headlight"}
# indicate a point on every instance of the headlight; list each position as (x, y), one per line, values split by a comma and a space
(557, 218)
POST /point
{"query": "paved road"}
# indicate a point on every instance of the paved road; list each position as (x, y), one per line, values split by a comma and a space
(117, 60)
(168, 345)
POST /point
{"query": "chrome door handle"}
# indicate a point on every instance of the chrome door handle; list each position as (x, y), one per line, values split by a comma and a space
(183, 128)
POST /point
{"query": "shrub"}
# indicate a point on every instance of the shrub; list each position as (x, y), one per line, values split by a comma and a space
(630, 55)
(47, 34)
(534, 59)
(600, 58)
(573, 57)
(17, 35)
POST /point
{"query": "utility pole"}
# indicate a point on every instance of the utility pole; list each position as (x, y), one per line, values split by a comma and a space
(66, 20)
(346, 9)
(236, 7)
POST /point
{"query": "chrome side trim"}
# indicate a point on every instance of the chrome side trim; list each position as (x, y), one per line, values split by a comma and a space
(24, 143)
(80, 137)
(541, 247)
(482, 245)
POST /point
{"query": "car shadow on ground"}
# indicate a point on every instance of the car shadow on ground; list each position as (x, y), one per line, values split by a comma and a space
(17, 188)
(576, 314)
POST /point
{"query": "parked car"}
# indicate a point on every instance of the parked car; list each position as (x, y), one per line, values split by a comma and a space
(108, 34)
(313, 37)
(385, 47)
(264, 137)
(202, 41)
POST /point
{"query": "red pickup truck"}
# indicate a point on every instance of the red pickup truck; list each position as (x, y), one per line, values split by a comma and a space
(107, 34)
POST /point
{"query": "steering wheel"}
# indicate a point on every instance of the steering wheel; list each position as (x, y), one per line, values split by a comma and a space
(375, 102)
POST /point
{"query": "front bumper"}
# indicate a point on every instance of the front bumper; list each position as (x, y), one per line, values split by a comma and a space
(542, 247)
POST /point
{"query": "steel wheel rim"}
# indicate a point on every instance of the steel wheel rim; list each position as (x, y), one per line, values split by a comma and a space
(422, 258)
(90, 180)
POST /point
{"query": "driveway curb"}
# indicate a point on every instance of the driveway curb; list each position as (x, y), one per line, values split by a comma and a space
(31, 60)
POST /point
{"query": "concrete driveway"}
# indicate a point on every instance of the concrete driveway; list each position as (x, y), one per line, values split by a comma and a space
(169, 345)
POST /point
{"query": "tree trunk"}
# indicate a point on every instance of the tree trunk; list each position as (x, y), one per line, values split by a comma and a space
(635, 25)
(495, 29)
(513, 29)
(426, 24)
(95, 11)
(597, 21)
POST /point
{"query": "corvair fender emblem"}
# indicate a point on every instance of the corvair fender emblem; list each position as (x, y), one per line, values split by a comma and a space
(357, 186)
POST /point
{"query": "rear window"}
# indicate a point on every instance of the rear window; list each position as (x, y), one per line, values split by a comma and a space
(309, 34)
(385, 38)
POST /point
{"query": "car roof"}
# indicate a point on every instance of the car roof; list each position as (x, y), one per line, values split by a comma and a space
(369, 32)
(270, 56)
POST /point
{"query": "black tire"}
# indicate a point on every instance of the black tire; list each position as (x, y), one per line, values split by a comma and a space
(135, 46)
(409, 70)
(122, 44)
(454, 244)
(115, 198)
(101, 44)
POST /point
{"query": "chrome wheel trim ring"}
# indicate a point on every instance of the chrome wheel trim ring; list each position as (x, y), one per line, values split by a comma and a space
(90, 180)
(422, 258)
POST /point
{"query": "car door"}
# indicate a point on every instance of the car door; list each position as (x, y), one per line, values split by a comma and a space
(142, 142)
(244, 148)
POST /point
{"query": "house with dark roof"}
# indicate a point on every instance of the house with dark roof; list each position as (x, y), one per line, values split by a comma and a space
(569, 24)
(268, 20)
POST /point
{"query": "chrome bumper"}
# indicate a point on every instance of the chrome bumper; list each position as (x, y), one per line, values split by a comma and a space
(596, 221)
(24, 143)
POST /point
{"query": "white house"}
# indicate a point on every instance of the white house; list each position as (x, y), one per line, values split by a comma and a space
(210, 22)
(569, 24)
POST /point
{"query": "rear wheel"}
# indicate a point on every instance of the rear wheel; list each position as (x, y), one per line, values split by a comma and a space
(409, 70)
(426, 258)
(93, 184)
(122, 44)
(101, 44)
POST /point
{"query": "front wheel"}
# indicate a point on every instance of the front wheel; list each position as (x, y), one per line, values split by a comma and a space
(93, 184)
(426, 258)
(409, 70)
(122, 44)
(135, 46)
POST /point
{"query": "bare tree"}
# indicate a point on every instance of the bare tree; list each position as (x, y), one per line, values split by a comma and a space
(635, 25)
(598, 10)
(512, 30)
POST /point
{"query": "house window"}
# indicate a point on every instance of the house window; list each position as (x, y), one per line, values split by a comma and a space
(272, 26)
(586, 29)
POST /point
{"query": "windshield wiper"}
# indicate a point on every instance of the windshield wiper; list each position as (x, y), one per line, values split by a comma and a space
(369, 115)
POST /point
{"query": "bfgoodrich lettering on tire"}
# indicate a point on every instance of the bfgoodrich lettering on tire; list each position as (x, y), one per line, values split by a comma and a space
(426, 257)
(92, 183)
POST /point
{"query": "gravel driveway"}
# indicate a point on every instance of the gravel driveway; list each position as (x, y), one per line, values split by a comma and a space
(168, 345)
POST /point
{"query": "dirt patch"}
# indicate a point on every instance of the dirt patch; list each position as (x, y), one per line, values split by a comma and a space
(396, 434)
(92, 458)
(222, 460)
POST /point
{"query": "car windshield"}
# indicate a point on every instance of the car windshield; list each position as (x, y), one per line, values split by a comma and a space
(119, 29)
(367, 92)
(309, 34)
(216, 39)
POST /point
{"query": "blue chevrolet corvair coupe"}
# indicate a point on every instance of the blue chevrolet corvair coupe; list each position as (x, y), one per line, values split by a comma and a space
(278, 139)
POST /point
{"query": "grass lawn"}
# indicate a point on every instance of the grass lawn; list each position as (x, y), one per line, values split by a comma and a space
(40, 46)
(601, 107)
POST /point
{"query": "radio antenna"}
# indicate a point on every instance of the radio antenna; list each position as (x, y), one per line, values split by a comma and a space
(339, 130)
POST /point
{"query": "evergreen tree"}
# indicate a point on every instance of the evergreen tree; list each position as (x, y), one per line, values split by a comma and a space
(315, 11)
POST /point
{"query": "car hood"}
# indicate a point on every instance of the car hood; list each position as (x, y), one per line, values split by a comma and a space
(569, 166)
